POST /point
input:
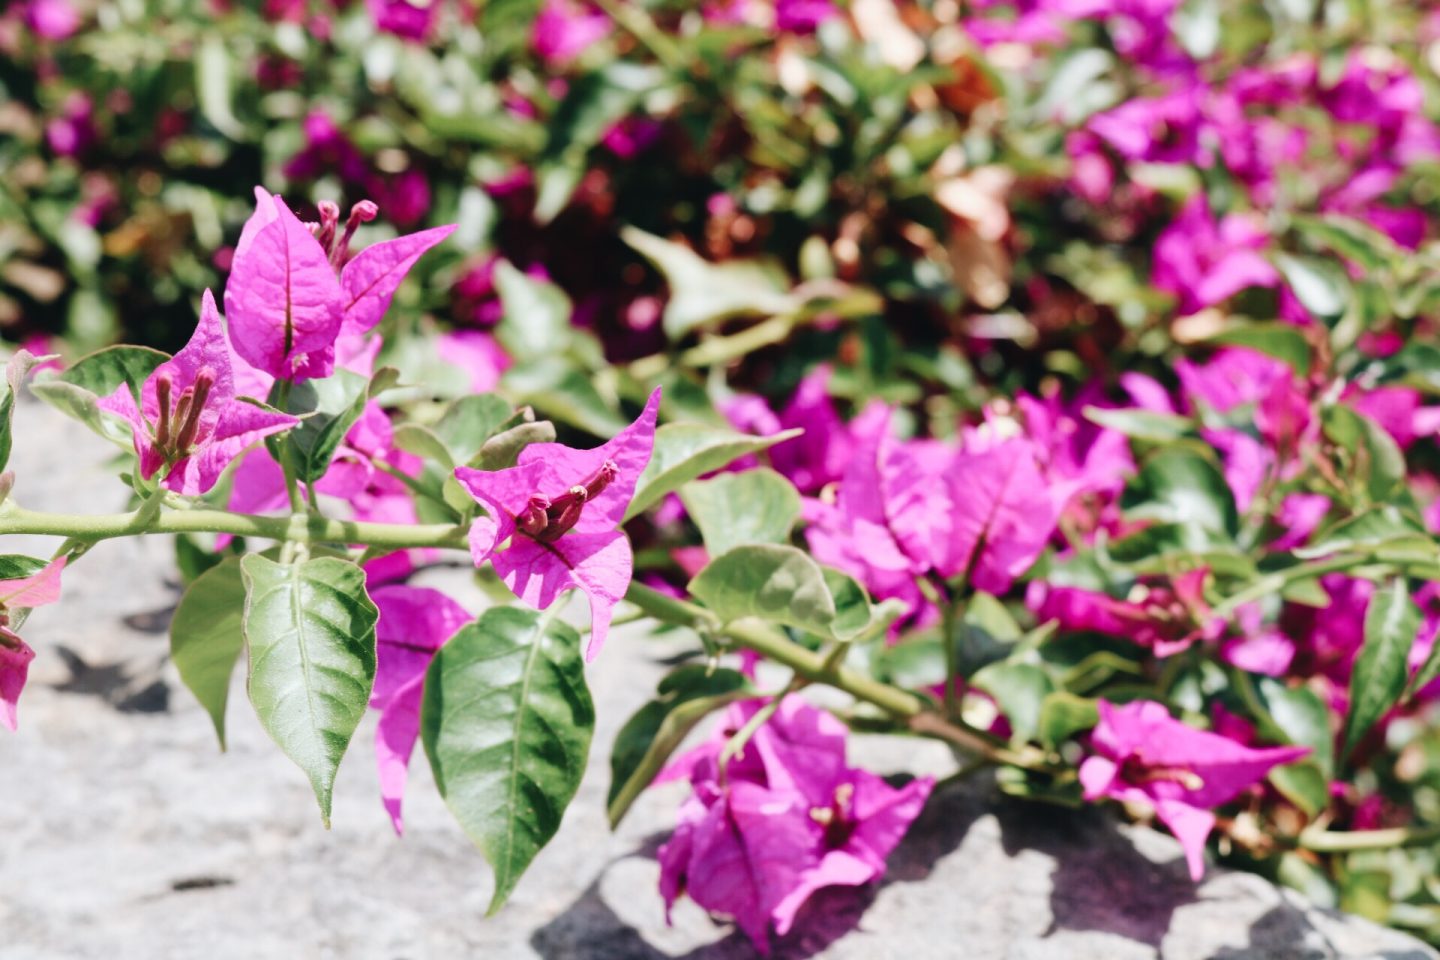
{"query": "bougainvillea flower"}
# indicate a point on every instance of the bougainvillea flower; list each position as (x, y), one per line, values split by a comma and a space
(560, 508)
(789, 818)
(566, 28)
(284, 300)
(1143, 755)
(15, 654)
(1005, 511)
(52, 19)
(189, 424)
(1166, 616)
(414, 623)
(412, 21)
(1204, 261)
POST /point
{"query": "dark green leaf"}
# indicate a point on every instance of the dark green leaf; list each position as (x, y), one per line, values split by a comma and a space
(329, 409)
(16, 371)
(1376, 526)
(1375, 459)
(506, 722)
(310, 630)
(15, 566)
(1391, 622)
(651, 735)
(1279, 340)
(1019, 690)
(1063, 715)
(207, 636)
(1304, 784)
(104, 370)
(1182, 486)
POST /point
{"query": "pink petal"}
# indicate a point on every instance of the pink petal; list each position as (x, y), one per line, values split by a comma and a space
(838, 868)
(504, 495)
(241, 426)
(883, 814)
(284, 302)
(264, 215)
(1005, 512)
(414, 623)
(34, 591)
(1191, 827)
(371, 278)
(122, 404)
(598, 564)
(14, 669)
(563, 467)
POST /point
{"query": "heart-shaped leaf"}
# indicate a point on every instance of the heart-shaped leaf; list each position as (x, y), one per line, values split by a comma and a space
(506, 722)
(310, 630)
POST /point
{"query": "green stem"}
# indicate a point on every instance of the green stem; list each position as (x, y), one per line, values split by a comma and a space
(1328, 841)
(306, 528)
(292, 485)
(1275, 582)
(416, 487)
(901, 704)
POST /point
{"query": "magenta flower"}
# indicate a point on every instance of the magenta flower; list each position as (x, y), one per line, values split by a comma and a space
(566, 28)
(414, 623)
(412, 21)
(559, 508)
(790, 818)
(1143, 755)
(15, 654)
(188, 423)
(52, 19)
(478, 353)
(284, 300)
(1167, 616)
(1204, 261)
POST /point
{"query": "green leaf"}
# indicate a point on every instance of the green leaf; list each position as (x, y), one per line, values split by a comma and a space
(1063, 715)
(776, 583)
(1375, 458)
(1142, 424)
(310, 630)
(215, 86)
(684, 451)
(1350, 238)
(554, 386)
(1304, 784)
(470, 421)
(536, 320)
(207, 635)
(1373, 528)
(1019, 690)
(104, 370)
(329, 409)
(733, 509)
(653, 732)
(1279, 340)
(506, 722)
(1319, 285)
(1182, 486)
(16, 370)
(704, 293)
(15, 566)
(1296, 715)
(422, 441)
(594, 102)
(503, 449)
(1391, 622)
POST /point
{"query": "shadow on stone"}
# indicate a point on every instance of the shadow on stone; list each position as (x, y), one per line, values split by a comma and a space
(113, 683)
(589, 928)
(1286, 933)
(1121, 892)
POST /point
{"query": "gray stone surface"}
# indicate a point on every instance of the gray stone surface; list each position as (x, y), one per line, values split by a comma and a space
(126, 835)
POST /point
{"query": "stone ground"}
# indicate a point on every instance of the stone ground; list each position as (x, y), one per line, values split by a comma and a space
(126, 835)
